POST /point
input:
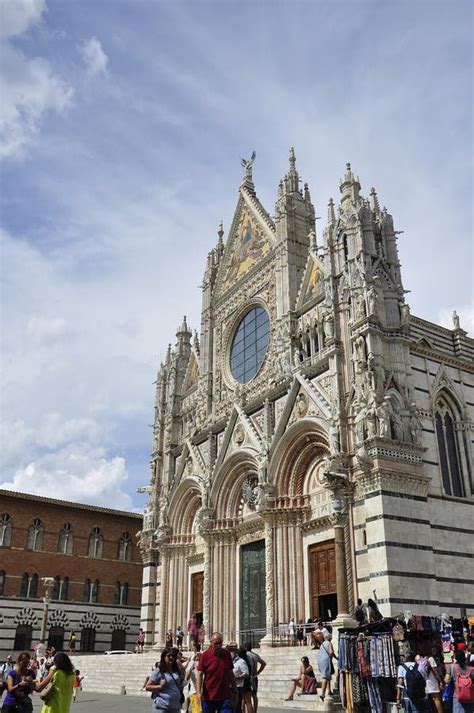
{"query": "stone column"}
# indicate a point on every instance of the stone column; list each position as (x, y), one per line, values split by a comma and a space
(338, 521)
(269, 580)
(163, 595)
(206, 595)
(148, 602)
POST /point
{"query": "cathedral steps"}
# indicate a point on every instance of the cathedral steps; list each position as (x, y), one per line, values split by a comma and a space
(108, 674)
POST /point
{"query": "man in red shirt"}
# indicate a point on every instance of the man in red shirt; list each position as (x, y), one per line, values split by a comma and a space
(215, 678)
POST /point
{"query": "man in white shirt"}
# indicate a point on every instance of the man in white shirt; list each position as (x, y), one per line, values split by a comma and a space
(411, 705)
(257, 665)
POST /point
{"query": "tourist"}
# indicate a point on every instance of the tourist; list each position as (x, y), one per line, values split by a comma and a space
(373, 612)
(4, 671)
(326, 667)
(242, 669)
(411, 687)
(20, 686)
(462, 674)
(166, 684)
(192, 629)
(72, 642)
(190, 678)
(78, 679)
(308, 629)
(300, 633)
(292, 631)
(62, 675)
(318, 634)
(179, 637)
(140, 642)
(215, 678)
(306, 680)
(257, 664)
(169, 639)
(360, 614)
(433, 680)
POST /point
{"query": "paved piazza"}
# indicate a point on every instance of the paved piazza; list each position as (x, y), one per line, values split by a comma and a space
(98, 702)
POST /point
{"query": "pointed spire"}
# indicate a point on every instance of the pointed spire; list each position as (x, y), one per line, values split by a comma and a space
(331, 212)
(292, 159)
(374, 201)
(350, 186)
(312, 240)
(292, 178)
(220, 232)
(196, 343)
(184, 329)
(168, 355)
(220, 242)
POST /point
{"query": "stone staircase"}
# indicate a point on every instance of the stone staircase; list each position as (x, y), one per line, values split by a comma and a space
(108, 674)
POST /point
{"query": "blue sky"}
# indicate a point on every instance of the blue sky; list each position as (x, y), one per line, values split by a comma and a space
(122, 125)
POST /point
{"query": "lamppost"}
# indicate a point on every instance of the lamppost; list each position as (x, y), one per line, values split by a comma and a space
(48, 583)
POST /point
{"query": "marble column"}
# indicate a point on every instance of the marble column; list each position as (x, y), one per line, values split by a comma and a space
(148, 602)
(207, 584)
(338, 521)
(269, 580)
(165, 564)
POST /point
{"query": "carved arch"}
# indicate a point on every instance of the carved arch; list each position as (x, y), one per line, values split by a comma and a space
(25, 616)
(58, 618)
(90, 620)
(186, 501)
(226, 492)
(302, 445)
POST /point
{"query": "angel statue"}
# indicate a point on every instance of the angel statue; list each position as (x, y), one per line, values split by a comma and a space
(247, 164)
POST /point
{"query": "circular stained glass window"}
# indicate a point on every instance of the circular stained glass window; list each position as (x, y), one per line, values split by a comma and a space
(249, 345)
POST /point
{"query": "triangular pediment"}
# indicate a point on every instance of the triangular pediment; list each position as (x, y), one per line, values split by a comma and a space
(240, 433)
(312, 285)
(190, 462)
(192, 375)
(251, 238)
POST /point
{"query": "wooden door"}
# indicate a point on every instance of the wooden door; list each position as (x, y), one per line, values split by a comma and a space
(322, 572)
(197, 588)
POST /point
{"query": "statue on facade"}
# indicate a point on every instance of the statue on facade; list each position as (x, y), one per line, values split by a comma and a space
(328, 326)
(384, 412)
(360, 306)
(372, 298)
(456, 322)
(359, 356)
(404, 313)
(370, 419)
(397, 423)
(334, 436)
(147, 517)
(415, 426)
(247, 165)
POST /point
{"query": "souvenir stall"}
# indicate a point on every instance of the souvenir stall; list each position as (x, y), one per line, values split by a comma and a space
(369, 656)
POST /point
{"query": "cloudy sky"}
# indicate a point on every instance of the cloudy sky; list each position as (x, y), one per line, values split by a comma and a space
(122, 125)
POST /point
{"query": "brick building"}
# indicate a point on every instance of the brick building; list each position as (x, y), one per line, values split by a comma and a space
(91, 554)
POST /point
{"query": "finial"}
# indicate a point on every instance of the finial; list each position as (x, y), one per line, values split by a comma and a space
(349, 175)
(292, 159)
(247, 164)
(220, 232)
(374, 201)
(307, 194)
(331, 212)
(168, 354)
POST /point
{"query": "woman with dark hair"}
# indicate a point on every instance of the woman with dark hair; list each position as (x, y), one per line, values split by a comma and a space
(166, 684)
(463, 676)
(20, 685)
(306, 680)
(62, 675)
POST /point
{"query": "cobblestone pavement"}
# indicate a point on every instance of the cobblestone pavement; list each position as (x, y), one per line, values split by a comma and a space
(98, 702)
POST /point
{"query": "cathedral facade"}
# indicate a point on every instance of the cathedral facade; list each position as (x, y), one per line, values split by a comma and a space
(314, 442)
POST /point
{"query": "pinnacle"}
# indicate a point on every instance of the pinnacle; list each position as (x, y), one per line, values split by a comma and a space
(220, 232)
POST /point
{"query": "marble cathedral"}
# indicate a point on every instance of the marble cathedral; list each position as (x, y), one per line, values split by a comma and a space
(314, 442)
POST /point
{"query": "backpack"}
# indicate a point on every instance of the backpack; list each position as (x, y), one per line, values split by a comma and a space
(464, 685)
(415, 683)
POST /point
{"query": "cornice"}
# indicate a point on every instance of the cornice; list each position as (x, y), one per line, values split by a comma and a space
(442, 357)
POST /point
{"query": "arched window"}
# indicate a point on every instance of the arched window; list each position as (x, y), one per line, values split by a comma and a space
(95, 543)
(29, 586)
(2, 581)
(125, 547)
(91, 591)
(65, 540)
(450, 446)
(35, 535)
(119, 637)
(5, 530)
(60, 589)
(23, 635)
(121, 593)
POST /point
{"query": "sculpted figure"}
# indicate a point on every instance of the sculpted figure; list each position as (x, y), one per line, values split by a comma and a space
(334, 436)
(404, 313)
(372, 299)
(148, 518)
(370, 420)
(415, 427)
(360, 306)
(359, 352)
(456, 323)
(397, 423)
(328, 326)
(384, 412)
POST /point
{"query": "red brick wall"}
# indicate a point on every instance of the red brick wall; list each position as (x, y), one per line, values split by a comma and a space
(16, 559)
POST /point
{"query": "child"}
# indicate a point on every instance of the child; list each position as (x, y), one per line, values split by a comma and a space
(77, 685)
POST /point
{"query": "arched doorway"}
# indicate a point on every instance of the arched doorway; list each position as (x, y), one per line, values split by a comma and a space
(56, 637)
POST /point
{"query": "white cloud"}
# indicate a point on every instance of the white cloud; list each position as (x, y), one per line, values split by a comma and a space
(18, 15)
(77, 472)
(29, 88)
(94, 57)
(42, 329)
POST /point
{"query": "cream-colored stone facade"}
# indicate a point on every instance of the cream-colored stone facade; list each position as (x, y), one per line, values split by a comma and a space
(346, 458)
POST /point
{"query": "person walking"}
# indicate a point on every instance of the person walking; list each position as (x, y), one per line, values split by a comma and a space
(257, 664)
(179, 637)
(411, 687)
(4, 671)
(326, 667)
(462, 673)
(241, 668)
(192, 629)
(215, 678)
(78, 679)
(62, 675)
(20, 686)
(72, 642)
(190, 678)
(140, 642)
(166, 684)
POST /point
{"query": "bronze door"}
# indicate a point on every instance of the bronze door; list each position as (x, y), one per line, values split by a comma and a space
(252, 586)
(197, 588)
(322, 572)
